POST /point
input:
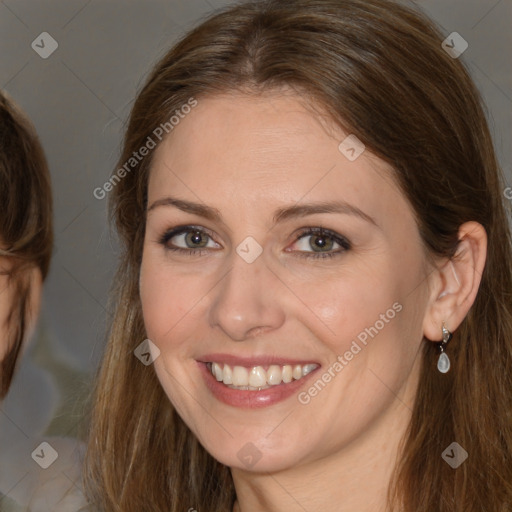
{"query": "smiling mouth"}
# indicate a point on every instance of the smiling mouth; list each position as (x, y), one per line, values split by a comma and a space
(257, 378)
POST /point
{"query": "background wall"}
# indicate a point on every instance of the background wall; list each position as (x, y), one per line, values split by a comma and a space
(79, 98)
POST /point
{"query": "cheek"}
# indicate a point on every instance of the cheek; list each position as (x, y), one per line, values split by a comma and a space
(340, 307)
(158, 299)
(370, 318)
(168, 298)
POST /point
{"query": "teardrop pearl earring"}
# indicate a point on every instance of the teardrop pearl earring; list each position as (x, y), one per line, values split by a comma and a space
(443, 363)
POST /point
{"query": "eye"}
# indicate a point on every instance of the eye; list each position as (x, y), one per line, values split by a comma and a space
(198, 241)
(322, 242)
(191, 237)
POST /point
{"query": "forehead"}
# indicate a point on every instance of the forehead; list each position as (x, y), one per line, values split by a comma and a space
(243, 150)
(256, 129)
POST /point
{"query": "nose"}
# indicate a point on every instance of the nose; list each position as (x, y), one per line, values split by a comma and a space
(246, 302)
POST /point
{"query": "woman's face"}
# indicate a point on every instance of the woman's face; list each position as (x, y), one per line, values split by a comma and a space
(252, 285)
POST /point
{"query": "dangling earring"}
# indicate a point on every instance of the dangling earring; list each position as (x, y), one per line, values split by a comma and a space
(443, 363)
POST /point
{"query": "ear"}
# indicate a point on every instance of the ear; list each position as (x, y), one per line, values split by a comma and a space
(454, 284)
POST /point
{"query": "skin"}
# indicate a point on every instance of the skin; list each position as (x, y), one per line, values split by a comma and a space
(248, 155)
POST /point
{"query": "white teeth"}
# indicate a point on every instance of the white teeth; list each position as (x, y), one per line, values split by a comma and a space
(274, 374)
(257, 377)
(217, 371)
(227, 376)
(240, 377)
(287, 373)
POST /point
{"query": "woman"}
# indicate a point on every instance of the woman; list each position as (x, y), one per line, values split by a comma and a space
(26, 242)
(26, 238)
(313, 303)
(26, 233)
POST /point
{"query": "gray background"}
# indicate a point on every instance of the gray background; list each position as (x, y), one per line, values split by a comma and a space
(79, 99)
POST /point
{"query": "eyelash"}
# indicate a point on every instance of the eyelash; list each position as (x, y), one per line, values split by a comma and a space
(320, 232)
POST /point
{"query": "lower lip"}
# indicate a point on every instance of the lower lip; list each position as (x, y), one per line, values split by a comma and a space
(251, 399)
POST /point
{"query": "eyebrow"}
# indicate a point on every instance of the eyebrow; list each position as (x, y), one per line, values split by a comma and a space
(280, 215)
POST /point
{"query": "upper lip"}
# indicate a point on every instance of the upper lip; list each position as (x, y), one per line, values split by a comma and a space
(261, 360)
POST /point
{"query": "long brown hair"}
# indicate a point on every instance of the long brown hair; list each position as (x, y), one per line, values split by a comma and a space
(379, 70)
(26, 224)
